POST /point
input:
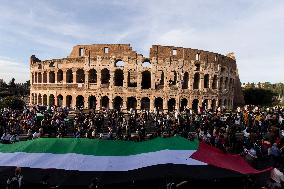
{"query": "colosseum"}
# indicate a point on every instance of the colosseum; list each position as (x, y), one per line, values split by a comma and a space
(113, 76)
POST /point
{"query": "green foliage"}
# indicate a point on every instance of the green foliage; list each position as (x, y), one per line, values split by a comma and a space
(258, 96)
(12, 102)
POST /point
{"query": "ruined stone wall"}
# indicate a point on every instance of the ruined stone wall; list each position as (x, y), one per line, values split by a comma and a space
(116, 77)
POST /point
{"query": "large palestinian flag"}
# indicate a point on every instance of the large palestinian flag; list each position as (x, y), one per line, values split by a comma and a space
(65, 159)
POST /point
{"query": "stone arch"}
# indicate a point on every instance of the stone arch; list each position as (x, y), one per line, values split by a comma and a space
(80, 102)
(145, 103)
(214, 82)
(92, 102)
(69, 76)
(51, 77)
(185, 80)
(118, 77)
(196, 81)
(171, 104)
(195, 106)
(183, 104)
(131, 78)
(146, 80)
(206, 81)
(51, 100)
(69, 101)
(119, 63)
(92, 76)
(146, 63)
(59, 100)
(44, 77)
(39, 80)
(159, 103)
(117, 103)
(105, 102)
(39, 101)
(131, 103)
(105, 76)
(59, 76)
(44, 99)
(80, 76)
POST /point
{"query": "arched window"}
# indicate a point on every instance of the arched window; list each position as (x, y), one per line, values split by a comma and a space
(171, 104)
(105, 76)
(196, 81)
(145, 103)
(92, 102)
(131, 103)
(44, 78)
(146, 63)
(80, 76)
(195, 105)
(119, 63)
(92, 76)
(214, 82)
(51, 77)
(185, 81)
(206, 81)
(69, 76)
(118, 77)
(146, 80)
(117, 103)
(59, 76)
(159, 103)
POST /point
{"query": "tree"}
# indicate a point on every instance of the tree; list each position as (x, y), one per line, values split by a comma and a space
(12, 102)
(258, 96)
(12, 83)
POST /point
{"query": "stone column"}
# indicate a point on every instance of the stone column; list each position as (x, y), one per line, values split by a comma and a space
(209, 105)
(201, 81)
(64, 76)
(139, 79)
(124, 103)
(73, 103)
(64, 99)
(74, 75)
(55, 75)
(86, 101)
(165, 104)
(111, 79)
(125, 78)
(152, 80)
(99, 77)
(47, 76)
(111, 101)
(48, 99)
(138, 104)
(152, 104)
(98, 101)
(86, 79)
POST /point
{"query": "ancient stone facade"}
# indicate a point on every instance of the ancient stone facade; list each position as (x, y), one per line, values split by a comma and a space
(116, 77)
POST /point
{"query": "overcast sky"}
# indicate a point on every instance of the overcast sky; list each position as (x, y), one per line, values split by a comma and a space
(253, 29)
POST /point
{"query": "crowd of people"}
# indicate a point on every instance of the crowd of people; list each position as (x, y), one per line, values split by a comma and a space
(252, 131)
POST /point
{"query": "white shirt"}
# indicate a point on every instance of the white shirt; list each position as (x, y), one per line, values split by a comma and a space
(277, 176)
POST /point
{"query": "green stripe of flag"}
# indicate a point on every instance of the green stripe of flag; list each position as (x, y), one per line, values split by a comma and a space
(98, 147)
